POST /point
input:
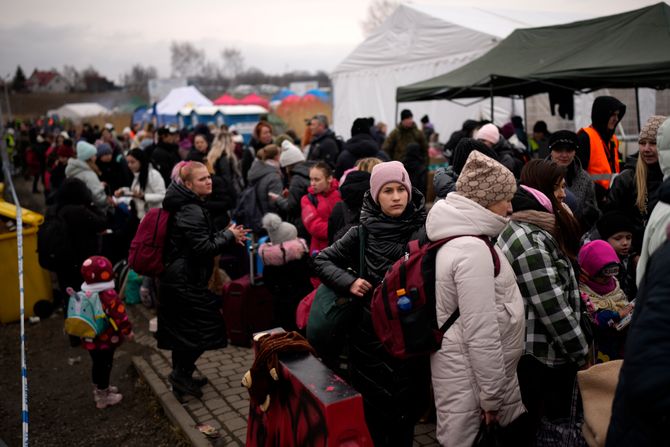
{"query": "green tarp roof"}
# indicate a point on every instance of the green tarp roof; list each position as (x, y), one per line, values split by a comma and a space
(625, 50)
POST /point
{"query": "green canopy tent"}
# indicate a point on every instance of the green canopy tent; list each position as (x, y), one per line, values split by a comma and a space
(627, 50)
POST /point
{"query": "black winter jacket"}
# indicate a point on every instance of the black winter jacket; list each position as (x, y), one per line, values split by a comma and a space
(394, 390)
(189, 316)
(346, 213)
(359, 146)
(623, 192)
(163, 158)
(324, 148)
(290, 206)
(641, 409)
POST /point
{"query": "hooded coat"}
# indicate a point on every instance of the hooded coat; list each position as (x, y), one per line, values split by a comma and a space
(315, 215)
(655, 233)
(359, 146)
(189, 316)
(603, 108)
(347, 213)
(81, 170)
(393, 390)
(265, 178)
(475, 368)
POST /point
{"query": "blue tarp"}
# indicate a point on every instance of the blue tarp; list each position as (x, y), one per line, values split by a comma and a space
(283, 93)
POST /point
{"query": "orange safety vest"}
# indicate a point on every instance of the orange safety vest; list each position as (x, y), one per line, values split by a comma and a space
(599, 166)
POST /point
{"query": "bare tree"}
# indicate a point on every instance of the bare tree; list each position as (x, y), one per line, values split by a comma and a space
(233, 62)
(138, 77)
(378, 11)
(186, 60)
(72, 77)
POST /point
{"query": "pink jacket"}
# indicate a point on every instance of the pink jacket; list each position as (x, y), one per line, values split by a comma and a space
(315, 218)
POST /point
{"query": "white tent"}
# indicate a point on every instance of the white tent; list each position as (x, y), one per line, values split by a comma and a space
(418, 42)
(76, 111)
(181, 97)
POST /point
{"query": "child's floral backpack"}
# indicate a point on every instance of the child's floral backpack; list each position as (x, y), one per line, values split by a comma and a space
(86, 317)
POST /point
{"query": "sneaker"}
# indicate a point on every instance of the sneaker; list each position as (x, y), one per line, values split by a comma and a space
(112, 389)
(105, 398)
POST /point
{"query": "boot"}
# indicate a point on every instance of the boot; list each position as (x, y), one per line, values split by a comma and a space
(183, 385)
(200, 380)
(105, 398)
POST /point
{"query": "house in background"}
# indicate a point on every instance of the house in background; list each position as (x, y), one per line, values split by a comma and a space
(47, 81)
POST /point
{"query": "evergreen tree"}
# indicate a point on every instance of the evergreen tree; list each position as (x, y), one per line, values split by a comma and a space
(19, 81)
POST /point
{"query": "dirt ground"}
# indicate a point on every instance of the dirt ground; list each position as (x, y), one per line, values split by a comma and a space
(61, 408)
(61, 405)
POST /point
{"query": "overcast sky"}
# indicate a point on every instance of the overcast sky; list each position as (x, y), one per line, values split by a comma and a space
(275, 36)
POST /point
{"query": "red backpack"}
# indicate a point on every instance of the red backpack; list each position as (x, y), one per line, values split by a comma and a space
(146, 250)
(413, 332)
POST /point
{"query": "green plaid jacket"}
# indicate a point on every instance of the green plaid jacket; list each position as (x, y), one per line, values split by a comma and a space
(551, 294)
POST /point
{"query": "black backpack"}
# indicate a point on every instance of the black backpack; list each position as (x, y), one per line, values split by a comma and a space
(53, 244)
(248, 210)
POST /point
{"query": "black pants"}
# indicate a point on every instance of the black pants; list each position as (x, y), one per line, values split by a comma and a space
(183, 361)
(386, 432)
(546, 392)
(102, 367)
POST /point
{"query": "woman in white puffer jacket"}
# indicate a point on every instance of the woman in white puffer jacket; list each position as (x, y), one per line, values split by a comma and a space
(474, 372)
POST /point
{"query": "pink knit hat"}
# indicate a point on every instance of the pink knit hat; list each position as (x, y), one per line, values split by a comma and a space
(488, 132)
(595, 256)
(388, 172)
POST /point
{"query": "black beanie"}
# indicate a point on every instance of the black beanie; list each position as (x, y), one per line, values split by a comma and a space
(614, 222)
(406, 114)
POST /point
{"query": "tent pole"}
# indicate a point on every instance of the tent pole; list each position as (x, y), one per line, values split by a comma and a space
(395, 117)
(525, 116)
(492, 120)
(637, 107)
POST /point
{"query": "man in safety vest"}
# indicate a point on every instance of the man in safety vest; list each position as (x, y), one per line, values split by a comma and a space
(598, 146)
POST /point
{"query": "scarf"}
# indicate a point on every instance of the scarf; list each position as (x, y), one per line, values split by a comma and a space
(614, 300)
(544, 220)
(97, 287)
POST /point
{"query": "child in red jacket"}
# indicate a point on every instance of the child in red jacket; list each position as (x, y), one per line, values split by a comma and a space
(98, 277)
(317, 205)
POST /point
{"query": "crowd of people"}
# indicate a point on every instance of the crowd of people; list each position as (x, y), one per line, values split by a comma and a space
(553, 247)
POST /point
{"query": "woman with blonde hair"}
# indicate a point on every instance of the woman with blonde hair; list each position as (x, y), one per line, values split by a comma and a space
(189, 317)
(223, 162)
(635, 191)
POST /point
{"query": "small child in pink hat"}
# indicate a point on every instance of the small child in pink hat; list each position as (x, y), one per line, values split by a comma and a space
(608, 303)
(98, 277)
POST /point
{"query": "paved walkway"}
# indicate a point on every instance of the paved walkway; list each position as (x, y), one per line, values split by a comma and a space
(225, 403)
